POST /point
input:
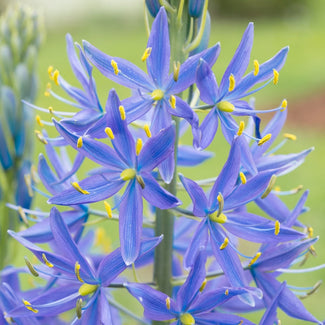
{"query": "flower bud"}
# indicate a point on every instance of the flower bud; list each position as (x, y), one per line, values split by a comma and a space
(205, 37)
(195, 8)
(153, 7)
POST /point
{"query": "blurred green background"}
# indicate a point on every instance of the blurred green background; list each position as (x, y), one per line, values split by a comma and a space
(120, 31)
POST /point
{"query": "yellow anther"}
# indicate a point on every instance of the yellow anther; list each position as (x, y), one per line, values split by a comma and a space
(33, 172)
(146, 54)
(277, 228)
(242, 177)
(203, 285)
(140, 181)
(48, 86)
(187, 319)
(50, 109)
(79, 142)
(138, 146)
(255, 258)
(47, 93)
(241, 322)
(31, 267)
(157, 94)
(122, 112)
(284, 105)
(29, 306)
(115, 67)
(275, 76)
(176, 67)
(310, 231)
(241, 128)
(290, 136)
(224, 244)
(269, 187)
(277, 189)
(225, 106)
(22, 215)
(39, 121)
(265, 139)
(168, 303)
(128, 174)
(227, 292)
(77, 271)
(56, 74)
(172, 101)
(312, 250)
(79, 308)
(256, 67)
(108, 209)
(78, 188)
(50, 71)
(102, 240)
(147, 130)
(40, 137)
(219, 219)
(28, 182)
(86, 289)
(232, 83)
(8, 319)
(221, 204)
(46, 261)
(109, 133)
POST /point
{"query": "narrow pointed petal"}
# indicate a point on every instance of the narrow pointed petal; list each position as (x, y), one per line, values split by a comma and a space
(137, 106)
(208, 130)
(188, 156)
(161, 119)
(167, 168)
(297, 210)
(247, 159)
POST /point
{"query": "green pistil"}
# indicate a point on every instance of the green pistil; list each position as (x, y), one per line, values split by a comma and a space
(187, 319)
(157, 94)
(86, 289)
(221, 218)
(225, 106)
(128, 174)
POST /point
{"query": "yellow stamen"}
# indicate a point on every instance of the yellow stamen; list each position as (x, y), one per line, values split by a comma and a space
(122, 112)
(108, 209)
(146, 54)
(241, 128)
(39, 121)
(225, 106)
(79, 308)
(277, 228)
(33, 172)
(265, 139)
(48, 86)
(277, 189)
(284, 105)
(187, 319)
(176, 67)
(86, 289)
(157, 94)
(168, 303)
(78, 188)
(232, 83)
(49, 71)
(275, 76)
(290, 136)
(77, 272)
(28, 182)
(221, 204)
(203, 285)
(102, 240)
(242, 177)
(172, 101)
(8, 319)
(115, 67)
(22, 215)
(46, 261)
(109, 133)
(227, 292)
(269, 187)
(255, 258)
(31, 267)
(140, 181)
(241, 322)
(29, 306)
(40, 137)
(256, 67)
(79, 142)
(47, 93)
(138, 146)
(147, 130)
(224, 244)
(56, 74)
(310, 231)
(219, 219)
(128, 174)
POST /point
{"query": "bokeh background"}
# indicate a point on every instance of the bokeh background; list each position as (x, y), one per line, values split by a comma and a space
(117, 28)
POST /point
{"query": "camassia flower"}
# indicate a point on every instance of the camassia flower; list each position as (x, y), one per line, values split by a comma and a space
(79, 280)
(192, 304)
(226, 99)
(127, 163)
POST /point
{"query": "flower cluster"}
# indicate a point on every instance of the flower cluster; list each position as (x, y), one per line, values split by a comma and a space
(201, 275)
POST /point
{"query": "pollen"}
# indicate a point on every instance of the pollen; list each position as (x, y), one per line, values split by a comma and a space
(232, 83)
(284, 105)
(147, 130)
(40, 137)
(310, 231)
(79, 142)
(242, 177)
(77, 272)
(176, 68)
(168, 303)
(146, 54)
(224, 244)
(128, 174)
(138, 146)
(122, 112)
(50, 109)
(241, 128)
(203, 285)
(50, 71)
(115, 67)
(265, 139)
(46, 261)
(225, 106)
(39, 121)
(56, 74)
(227, 292)
(78, 188)
(109, 133)
(256, 67)
(255, 258)
(86, 289)
(275, 76)
(157, 94)
(172, 101)
(187, 319)
(108, 209)
(221, 218)
(29, 306)
(290, 136)
(269, 187)
(277, 228)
